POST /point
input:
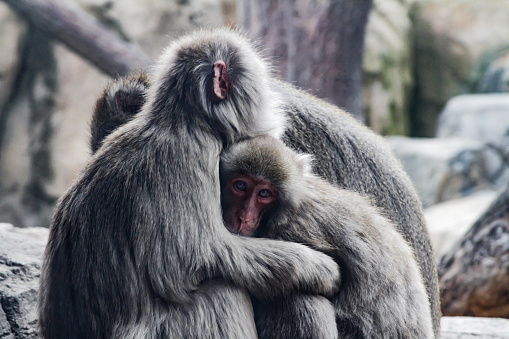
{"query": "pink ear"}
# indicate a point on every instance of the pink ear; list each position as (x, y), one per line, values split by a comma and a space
(221, 80)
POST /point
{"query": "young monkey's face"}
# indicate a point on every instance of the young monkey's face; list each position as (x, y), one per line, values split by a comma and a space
(247, 200)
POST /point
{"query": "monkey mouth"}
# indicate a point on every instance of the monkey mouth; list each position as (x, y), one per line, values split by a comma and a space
(242, 227)
(245, 227)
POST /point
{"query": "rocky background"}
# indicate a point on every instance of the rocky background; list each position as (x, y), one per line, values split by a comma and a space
(436, 82)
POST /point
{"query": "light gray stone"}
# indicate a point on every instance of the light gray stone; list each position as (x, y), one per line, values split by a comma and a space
(474, 328)
(20, 263)
(441, 169)
(483, 117)
(448, 221)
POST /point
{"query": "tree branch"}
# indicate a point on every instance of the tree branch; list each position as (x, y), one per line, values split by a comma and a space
(84, 34)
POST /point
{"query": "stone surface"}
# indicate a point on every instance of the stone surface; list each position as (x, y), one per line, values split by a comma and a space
(20, 263)
(387, 67)
(448, 221)
(451, 38)
(441, 169)
(474, 328)
(482, 117)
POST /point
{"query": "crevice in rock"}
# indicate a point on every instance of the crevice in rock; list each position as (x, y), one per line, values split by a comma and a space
(8, 315)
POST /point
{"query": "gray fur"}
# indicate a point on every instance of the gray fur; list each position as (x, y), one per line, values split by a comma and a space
(298, 316)
(120, 101)
(141, 227)
(351, 156)
(382, 294)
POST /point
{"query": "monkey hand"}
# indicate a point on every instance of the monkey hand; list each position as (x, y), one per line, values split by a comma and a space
(318, 273)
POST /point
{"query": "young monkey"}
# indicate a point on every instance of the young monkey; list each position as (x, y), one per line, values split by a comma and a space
(268, 191)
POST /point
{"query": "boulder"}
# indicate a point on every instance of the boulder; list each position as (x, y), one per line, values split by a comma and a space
(451, 38)
(482, 117)
(441, 169)
(20, 264)
(448, 221)
(473, 328)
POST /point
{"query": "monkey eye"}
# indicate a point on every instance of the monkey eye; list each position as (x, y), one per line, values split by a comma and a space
(265, 193)
(240, 185)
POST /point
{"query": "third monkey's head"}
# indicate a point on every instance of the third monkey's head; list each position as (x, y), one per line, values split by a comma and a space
(260, 176)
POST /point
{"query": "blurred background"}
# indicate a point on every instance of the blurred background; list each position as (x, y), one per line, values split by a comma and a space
(430, 75)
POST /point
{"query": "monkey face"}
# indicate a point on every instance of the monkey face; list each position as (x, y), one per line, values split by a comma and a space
(247, 200)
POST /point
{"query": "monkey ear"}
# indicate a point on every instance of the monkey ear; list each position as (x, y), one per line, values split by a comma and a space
(128, 103)
(305, 162)
(221, 81)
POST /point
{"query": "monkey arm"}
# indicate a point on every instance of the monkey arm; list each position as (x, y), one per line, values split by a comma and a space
(268, 268)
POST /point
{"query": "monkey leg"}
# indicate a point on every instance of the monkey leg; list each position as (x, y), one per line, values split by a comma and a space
(298, 316)
(217, 310)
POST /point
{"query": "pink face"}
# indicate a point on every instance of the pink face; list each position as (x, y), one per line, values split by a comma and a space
(249, 199)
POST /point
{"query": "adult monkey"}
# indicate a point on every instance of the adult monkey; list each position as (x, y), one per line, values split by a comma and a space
(141, 227)
(381, 295)
(269, 191)
(346, 154)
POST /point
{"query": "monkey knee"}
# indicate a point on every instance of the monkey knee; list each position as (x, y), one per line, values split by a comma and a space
(301, 316)
(315, 315)
(223, 310)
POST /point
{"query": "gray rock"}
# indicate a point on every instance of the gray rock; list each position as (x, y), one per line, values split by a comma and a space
(20, 264)
(441, 169)
(474, 328)
(482, 117)
(449, 221)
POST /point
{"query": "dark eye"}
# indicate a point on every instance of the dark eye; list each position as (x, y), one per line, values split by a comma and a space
(264, 193)
(240, 185)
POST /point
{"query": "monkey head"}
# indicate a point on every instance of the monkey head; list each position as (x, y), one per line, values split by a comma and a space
(222, 77)
(248, 198)
(259, 178)
(121, 100)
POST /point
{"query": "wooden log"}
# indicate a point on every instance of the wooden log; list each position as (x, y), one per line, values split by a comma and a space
(84, 34)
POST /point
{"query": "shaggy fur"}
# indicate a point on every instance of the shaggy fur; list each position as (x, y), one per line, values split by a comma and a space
(381, 293)
(351, 156)
(141, 227)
